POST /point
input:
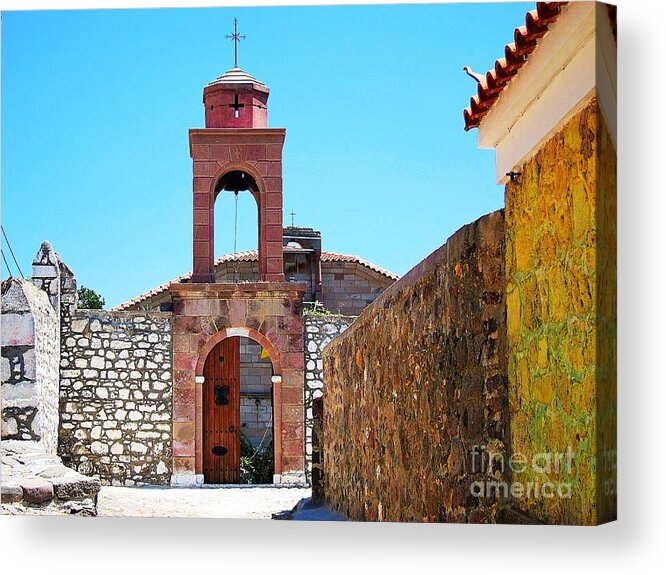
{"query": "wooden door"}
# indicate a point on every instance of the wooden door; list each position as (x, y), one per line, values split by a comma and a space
(221, 413)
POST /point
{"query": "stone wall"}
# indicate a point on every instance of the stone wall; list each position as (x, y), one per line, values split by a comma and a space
(416, 395)
(30, 342)
(347, 286)
(319, 331)
(116, 395)
(235, 271)
(561, 298)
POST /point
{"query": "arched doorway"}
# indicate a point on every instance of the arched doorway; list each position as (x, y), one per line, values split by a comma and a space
(238, 420)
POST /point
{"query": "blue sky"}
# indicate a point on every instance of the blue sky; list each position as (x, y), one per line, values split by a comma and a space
(96, 105)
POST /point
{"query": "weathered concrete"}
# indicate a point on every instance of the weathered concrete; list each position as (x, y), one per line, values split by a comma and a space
(258, 502)
(30, 341)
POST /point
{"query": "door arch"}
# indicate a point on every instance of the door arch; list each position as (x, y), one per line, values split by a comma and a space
(219, 422)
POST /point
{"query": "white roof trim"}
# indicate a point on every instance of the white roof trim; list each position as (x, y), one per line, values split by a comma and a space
(559, 77)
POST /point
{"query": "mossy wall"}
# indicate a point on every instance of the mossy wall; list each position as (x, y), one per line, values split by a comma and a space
(561, 320)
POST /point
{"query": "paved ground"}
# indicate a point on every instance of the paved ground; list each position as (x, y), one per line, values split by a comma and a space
(258, 502)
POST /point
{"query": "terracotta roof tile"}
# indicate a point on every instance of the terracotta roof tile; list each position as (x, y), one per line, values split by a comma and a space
(333, 257)
(248, 256)
(525, 39)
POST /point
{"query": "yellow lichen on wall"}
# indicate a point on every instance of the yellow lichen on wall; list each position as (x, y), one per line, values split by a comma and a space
(561, 322)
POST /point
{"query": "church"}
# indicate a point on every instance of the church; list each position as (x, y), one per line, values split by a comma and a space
(179, 385)
(238, 321)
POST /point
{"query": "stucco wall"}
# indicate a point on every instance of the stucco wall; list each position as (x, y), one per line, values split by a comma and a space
(560, 266)
(415, 389)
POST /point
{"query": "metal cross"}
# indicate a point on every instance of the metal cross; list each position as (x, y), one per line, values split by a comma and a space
(236, 37)
(293, 213)
(236, 105)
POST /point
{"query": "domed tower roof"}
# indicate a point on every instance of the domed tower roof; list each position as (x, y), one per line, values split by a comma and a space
(239, 77)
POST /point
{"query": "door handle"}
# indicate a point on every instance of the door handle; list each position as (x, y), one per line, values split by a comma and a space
(232, 429)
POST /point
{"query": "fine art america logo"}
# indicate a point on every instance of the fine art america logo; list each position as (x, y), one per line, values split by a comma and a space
(549, 474)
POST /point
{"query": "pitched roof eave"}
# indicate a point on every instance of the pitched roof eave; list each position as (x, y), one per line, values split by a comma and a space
(516, 53)
(248, 256)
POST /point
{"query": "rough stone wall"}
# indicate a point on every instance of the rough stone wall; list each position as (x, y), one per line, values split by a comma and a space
(348, 287)
(415, 395)
(30, 342)
(317, 470)
(560, 266)
(319, 331)
(116, 395)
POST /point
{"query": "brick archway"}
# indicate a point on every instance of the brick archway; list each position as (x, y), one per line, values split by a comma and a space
(256, 187)
(262, 340)
(239, 167)
(248, 332)
(270, 314)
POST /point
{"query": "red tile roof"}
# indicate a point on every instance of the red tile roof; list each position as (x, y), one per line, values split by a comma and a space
(249, 256)
(515, 56)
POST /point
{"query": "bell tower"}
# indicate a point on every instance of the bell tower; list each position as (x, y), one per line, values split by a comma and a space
(237, 152)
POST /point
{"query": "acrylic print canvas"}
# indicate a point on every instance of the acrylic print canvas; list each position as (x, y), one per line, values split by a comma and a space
(349, 263)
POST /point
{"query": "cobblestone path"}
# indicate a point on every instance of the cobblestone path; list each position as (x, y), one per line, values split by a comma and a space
(258, 502)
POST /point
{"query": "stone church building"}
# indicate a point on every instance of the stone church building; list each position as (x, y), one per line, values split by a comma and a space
(164, 388)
